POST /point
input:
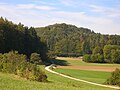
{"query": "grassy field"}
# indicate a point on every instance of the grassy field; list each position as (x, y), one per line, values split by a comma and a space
(56, 82)
(11, 82)
(79, 62)
(93, 76)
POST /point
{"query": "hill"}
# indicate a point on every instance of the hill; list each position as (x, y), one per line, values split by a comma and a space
(69, 40)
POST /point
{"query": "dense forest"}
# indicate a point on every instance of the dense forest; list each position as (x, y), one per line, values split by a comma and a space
(20, 38)
(69, 40)
(21, 51)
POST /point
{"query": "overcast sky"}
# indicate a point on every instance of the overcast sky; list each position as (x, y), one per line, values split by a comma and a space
(102, 16)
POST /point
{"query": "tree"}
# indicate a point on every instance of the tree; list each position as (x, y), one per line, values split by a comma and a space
(115, 56)
(86, 47)
(87, 58)
(111, 53)
(97, 50)
(20, 38)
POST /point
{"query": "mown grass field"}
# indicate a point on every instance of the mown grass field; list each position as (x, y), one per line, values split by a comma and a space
(11, 82)
(93, 76)
(89, 75)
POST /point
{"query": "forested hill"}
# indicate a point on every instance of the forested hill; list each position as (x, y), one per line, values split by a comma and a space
(69, 40)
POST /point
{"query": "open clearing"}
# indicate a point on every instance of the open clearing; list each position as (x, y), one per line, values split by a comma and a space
(78, 64)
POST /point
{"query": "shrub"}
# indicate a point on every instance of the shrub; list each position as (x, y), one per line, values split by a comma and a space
(115, 78)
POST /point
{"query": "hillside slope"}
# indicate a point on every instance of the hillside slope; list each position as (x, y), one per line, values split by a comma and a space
(69, 40)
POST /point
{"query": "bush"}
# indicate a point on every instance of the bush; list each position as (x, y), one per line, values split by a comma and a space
(35, 58)
(16, 63)
(31, 72)
(115, 78)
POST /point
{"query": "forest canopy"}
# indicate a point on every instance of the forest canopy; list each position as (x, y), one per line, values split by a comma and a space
(69, 40)
(20, 38)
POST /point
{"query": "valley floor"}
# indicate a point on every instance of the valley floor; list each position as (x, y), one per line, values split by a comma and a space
(56, 82)
(11, 82)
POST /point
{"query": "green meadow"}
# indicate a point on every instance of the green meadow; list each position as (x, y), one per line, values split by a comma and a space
(11, 82)
(93, 76)
(56, 82)
(79, 62)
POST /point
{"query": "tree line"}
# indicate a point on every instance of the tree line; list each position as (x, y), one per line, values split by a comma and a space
(20, 38)
(109, 54)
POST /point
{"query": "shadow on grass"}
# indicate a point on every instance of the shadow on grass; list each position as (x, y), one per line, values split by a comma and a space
(59, 62)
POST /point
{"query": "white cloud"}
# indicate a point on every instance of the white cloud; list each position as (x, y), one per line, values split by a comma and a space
(25, 6)
(97, 8)
(69, 2)
(34, 6)
(110, 12)
(43, 2)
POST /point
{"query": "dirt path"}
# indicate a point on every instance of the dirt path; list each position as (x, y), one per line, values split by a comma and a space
(48, 69)
(91, 68)
(69, 58)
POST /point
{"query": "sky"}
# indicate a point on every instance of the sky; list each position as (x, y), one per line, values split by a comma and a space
(101, 16)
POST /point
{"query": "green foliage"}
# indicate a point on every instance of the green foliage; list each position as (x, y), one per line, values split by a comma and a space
(115, 78)
(97, 58)
(65, 40)
(109, 54)
(35, 58)
(87, 58)
(112, 53)
(115, 56)
(20, 38)
(16, 63)
(97, 50)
